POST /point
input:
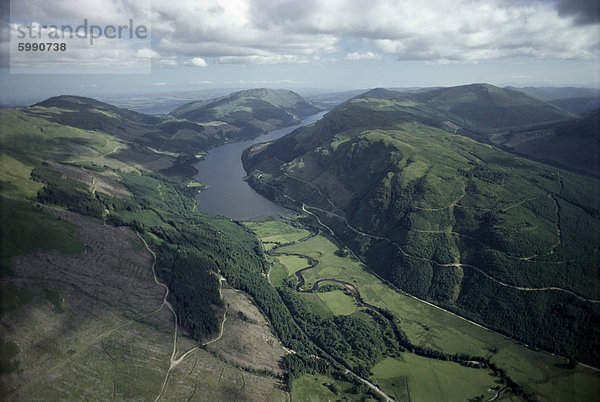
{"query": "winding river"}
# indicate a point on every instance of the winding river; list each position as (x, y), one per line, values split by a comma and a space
(228, 194)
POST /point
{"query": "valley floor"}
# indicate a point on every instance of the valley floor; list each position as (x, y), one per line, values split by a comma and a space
(411, 376)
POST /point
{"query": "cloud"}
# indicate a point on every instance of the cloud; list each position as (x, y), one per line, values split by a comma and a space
(262, 32)
(159, 84)
(362, 56)
(146, 53)
(102, 48)
(584, 11)
(196, 62)
(264, 59)
(288, 31)
(104, 56)
(95, 11)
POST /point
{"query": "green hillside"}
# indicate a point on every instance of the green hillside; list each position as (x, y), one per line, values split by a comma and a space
(122, 168)
(579, 106)
(573, 144)
(495, 237)
(90, 242)
(249, 112)
(168, 134)
(78, 179)
(486, 108)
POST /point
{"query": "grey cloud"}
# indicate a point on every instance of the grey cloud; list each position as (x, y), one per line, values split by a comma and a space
(290, 31)
(584, 11)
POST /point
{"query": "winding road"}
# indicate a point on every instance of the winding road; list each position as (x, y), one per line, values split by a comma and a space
(173, 360)
(306, 208)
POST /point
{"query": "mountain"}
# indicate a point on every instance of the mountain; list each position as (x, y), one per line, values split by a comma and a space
(579, 101)
(579, 106)
(550, 93)
(104, 253)
(443, 217)
(573, 144)
(247, 113)
(166, 133)
(151, 141)
(485, 108)
(509, 119)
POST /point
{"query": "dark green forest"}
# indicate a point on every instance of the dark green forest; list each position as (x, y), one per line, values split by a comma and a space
(430, 211)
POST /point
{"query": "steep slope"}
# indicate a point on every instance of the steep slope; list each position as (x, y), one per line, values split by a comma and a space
(484, 108)
(248, 113)
(506, 241)
(510, 119)
(579, 106)
(574, 144)
(145, 131)
(80, 288)
(549, 93)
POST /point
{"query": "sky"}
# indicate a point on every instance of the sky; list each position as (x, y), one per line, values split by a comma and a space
(318, 45)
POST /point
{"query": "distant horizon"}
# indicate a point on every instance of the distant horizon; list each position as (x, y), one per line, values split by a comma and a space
(27, 99)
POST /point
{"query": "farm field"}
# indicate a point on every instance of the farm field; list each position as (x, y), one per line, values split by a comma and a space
(315, 388)
(338, 302)
(292, 263)
(430, 326)
(412, 377)
(275, 232)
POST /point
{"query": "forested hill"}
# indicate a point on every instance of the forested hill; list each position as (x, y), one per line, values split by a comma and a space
(507, 118)
(501, 239)
(140, 131)
(126, 169)
(249, 112)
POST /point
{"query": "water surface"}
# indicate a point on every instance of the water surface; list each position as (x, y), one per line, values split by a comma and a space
(221, 169)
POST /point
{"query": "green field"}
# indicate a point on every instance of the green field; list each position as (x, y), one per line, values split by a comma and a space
(278, 273)
(316, 388)
(428, 325)
(338, 302)
(276, 232)
(293, 263)
(317, 305)
(412, 377)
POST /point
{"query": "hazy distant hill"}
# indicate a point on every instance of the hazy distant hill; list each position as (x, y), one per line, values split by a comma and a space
(507, 118)
(485, 108)
(549, 93)
(250, 112)
(574, 144)
(579, 106)
(448, 218)
(574, 100)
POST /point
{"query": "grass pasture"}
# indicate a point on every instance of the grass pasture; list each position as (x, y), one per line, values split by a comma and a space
(15, 178)
(330, 265)
(316, 388)
(427, 325)
(317, 305)
(278, 273)
(421, 379)
(338, 302)
(293, 263)
(277, 232)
